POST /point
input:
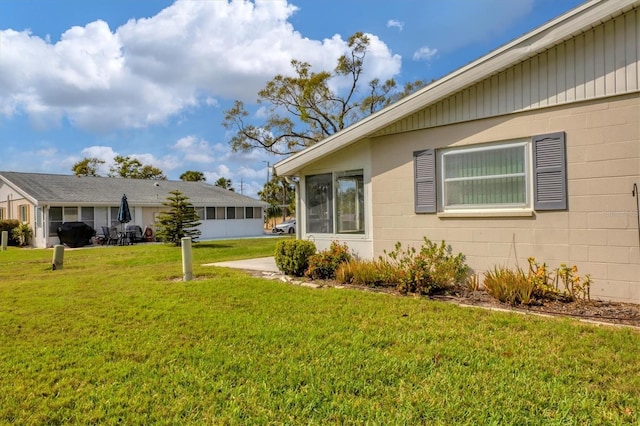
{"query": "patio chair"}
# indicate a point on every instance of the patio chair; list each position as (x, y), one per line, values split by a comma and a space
(110, 235)
(134, 232)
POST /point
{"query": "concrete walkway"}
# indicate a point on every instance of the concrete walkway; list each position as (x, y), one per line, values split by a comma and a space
(264, 264)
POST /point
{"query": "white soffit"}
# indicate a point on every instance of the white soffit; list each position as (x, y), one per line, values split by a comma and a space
(574, 22)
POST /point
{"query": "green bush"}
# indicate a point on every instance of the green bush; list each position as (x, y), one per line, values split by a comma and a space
(430, 270)
(323, 265)
(9, 225)
(292, 256)
(23, 234)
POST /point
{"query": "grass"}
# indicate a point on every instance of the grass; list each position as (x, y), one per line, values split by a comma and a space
(116, 337)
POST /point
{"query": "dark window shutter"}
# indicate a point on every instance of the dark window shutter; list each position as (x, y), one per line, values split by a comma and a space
(550, 172)
(425, 180)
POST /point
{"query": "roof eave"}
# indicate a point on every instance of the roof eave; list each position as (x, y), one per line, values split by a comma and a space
(546, 36)
(16, 188)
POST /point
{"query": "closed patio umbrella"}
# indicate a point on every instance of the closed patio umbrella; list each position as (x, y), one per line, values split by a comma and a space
(124, 214)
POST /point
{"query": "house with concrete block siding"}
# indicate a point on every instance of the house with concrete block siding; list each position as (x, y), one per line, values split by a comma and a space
(532, 150)
(46, 201)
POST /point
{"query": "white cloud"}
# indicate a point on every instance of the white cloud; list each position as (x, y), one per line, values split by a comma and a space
(221, 170)
(189, 55)
(249, 173)
(394, 23)
(104, 153)
(165, 163)
(425, 53)
(195, 150)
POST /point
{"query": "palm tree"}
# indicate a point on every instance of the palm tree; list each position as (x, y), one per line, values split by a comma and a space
(224, 183)
(193, 176)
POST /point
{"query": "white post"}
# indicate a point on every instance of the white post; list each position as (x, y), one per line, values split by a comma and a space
(187, 267)
(5, 240)
(58, 257)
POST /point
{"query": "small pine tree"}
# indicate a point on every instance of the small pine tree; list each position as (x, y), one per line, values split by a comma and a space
(180, 221)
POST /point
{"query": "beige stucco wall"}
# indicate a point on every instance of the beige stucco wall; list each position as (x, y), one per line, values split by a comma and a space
(11, 200)
(599, 231)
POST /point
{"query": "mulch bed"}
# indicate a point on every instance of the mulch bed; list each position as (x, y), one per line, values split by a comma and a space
(595, 310)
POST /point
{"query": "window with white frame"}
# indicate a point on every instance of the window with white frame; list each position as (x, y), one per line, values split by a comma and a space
(231, 212)
(23, 212)
(494, 176)
(200, 212)
(505, 176)
(211, 213)
(87, 216)
(349, 202)
(319, 197)
(220, 213)
(55, 220)
(335, 201)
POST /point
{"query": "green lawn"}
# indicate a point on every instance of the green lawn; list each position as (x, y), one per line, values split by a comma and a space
(116, 337)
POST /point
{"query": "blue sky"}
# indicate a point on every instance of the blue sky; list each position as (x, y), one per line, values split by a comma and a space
(152, 78)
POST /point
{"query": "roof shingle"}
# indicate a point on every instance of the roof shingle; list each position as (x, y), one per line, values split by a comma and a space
(64, 189)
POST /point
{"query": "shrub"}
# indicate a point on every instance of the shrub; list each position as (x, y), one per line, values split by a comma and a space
(547, 283)
(9, 225)
(575, 287)
(323, 265)
(516, 287)
(509, 286)
(363, 272)
(430, 270)
(344, 273)
(292, 256)
(22, 234)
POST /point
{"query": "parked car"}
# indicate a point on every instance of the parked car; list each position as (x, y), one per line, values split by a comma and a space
(286, 227)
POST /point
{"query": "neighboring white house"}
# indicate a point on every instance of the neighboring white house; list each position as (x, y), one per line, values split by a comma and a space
(531, 150)
(45, 201)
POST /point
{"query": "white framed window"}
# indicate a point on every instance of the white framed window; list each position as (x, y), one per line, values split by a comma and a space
(55, 220)
(489, 177)
(87, 216)
(231, 212)
(349, 188)
(23, 212)
(335, 201)
(220, 213)
(211, 213)
(200, 212)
